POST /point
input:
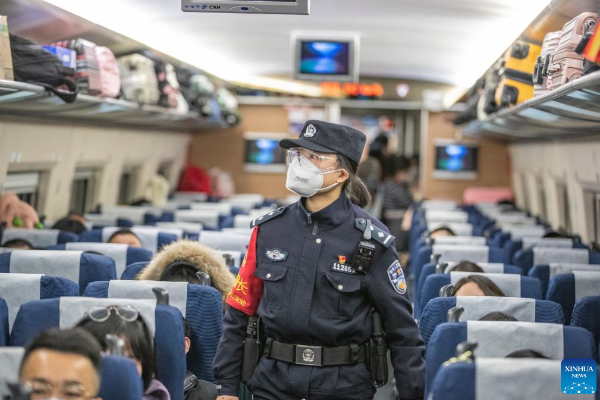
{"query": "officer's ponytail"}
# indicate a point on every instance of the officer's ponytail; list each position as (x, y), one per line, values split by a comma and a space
(354, 187)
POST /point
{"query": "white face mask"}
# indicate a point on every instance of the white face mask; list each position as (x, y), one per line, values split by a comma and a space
(306, 179)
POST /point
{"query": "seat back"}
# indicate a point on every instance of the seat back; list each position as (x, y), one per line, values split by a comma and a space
(567, 289)
(243, 221)
(10, 360)
(18, 289)
(447, 205)
(446, 216)
(555, 243)
(459, 228)
(512, 285)
(133, 270)
(223, 209)
(122, 254)
(38, 238)
(104, 220)
(164, 322)
(151, 238)
(120, 379)
(138, 215)
(3, 323)
(499, 339)
(526, 259)
(585, 315)
(460, 240)
(208, 218)
(202, 307)
(75, 266)
(548, 271)
(487, 379)
(475, 307)
(177, 232)
(224, 241)
(457, 253)
(190, 228)
(520, 231)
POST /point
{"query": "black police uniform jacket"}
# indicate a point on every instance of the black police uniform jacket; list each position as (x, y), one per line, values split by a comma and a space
(298, 277)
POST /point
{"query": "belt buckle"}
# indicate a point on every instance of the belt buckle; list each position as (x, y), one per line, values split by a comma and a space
(309, 355)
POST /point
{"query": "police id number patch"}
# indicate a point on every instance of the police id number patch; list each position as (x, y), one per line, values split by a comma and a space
(397, 277)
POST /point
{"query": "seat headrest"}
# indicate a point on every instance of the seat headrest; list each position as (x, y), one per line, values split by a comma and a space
(10, 359)
(521, 231)
(545, 255)
(461, 240)
(39, 239)
(178, 291)
(460, 253)
(178, 232)
(187, 227)
(224, 241)
(134, 213)
(4, 250)
(116, 251)
(478, 306)
(17, 289)
(74, 309)
(243, 221)
(510, 284)
(236, 255)
(102, 219)
(556, 243)
(447, 205)
(587, 283)
(488, 268)
(182, 197)
(514, 219)
(460, 229)
(446, 216)
(500, 338)
(223, 209)
(208, 218)
(65, 264)
(565, 268)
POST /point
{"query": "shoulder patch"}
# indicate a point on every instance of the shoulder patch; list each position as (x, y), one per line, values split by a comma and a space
(397, 278)
(267, 217)
(379, 235)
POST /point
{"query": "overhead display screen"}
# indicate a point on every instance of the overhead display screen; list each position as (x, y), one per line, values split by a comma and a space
(298, 7)
(456, 161)
(325, 58)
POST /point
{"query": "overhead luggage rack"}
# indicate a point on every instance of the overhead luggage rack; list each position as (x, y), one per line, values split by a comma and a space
(34, 102)
(570, 111)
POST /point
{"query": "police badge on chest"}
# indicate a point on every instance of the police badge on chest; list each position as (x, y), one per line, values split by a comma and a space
(342, 265)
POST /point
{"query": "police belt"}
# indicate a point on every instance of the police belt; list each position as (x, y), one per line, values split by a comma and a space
(316, 356)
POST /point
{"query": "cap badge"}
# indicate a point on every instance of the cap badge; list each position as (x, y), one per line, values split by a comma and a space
(311, 131)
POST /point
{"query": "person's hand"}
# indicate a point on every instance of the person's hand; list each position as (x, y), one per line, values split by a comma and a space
(14, 210)
(227, 398)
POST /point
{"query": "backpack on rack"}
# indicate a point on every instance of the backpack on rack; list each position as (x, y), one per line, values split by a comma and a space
(197, 90)
(138, 79)
(87, 75)
(32, 64)
(168, 85)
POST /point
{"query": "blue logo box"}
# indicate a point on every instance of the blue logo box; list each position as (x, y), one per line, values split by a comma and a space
(578, 376)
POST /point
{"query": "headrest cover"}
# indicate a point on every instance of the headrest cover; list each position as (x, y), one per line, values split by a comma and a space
(544, 255)
(224, 241)
(478, 306)
(102, 219)
(178, 232)
(242, 221)
(446, 216)
(519, 232)
(460, 229)
(555, 243)
(439, 205)
(74, 309)
(10, 359)
(65, 264)
(510, 284)
(224, 209)
(459, 253)
(116, 251)
(586, 284)
(143, 290)
(4, 250)
(492, 377)
(461, 240)
(40, 239)
(488, 268)
(207, 218)
(17, 289)
(187, 227)
(500, 338)
(561, 268)
(148, 236)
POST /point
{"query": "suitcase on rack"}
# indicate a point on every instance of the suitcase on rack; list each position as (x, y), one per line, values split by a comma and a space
(516, 77)
(138, 79)
(487, 102)
(566, 64)
(168, 86)
(87, 73)
(540, 73)
(197, 90)
(110, 75)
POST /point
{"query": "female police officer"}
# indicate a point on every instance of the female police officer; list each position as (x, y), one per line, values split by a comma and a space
(314, 272)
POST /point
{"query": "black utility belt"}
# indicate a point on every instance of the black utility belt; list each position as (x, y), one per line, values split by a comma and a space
(316, 356)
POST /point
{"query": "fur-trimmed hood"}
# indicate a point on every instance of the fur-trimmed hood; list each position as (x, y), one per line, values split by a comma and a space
(194, 253)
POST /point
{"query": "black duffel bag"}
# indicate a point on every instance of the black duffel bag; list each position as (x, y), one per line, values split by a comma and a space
(32, 64)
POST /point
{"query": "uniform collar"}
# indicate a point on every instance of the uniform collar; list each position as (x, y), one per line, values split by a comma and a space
(331, 216)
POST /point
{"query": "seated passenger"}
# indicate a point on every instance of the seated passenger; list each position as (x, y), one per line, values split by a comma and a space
(526, 353)
(477, 285)
(125, 236)
(466, 266)
(182, 260)
(16, 213)
(498, 316)
(441, 231)
(74, 222)
(554, 235)
(18, 244)
(194, 388)
(126, 323)
(62, 364)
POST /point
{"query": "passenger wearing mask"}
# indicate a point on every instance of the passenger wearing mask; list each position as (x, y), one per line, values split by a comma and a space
(125, 236)
(467, 266)
(74, 222)
(127, 323)
(476, 285)
(62, 365)
(397, 198)
(182, 260)
(194, 388)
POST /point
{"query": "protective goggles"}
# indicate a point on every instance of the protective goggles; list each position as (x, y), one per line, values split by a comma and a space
(101, 314)
(324, 163)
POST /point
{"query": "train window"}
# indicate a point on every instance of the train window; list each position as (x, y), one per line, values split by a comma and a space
(83, 191)
(128, 185)
(25, 185)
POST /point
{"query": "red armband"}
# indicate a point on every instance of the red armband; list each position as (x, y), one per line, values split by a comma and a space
(248, 289)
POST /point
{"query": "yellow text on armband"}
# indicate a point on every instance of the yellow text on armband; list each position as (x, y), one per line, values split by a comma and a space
(238, 299)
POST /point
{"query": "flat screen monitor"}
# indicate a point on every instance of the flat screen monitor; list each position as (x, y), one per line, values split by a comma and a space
(263, 154)
(299, 7)
(455, 160)
(326, 58)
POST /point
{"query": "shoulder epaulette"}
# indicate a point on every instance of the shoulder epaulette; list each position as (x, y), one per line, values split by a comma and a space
(267, 217)
(377, 234)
